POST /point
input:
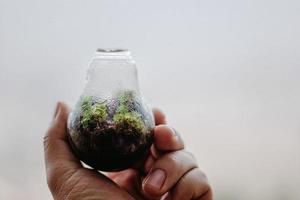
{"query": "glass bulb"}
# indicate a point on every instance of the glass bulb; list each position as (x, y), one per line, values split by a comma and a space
(111, 127)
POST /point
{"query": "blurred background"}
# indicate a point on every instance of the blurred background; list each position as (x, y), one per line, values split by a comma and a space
(226, 73)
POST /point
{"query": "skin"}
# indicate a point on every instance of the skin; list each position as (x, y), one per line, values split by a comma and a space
(169, 171)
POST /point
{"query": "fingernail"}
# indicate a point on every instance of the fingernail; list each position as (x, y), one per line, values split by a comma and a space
(57, 109)
(173, 132)
(166, 196)
(156, 179)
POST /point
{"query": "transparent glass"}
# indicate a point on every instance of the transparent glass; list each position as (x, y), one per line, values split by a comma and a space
(111, 128)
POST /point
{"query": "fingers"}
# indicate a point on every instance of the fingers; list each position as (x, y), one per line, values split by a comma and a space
(59, 159)
(167, 139)
(171, 170)
(166, 171)
(159, 116)
(193, 185)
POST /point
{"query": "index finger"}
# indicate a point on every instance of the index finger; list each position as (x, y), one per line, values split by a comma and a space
(159, 116)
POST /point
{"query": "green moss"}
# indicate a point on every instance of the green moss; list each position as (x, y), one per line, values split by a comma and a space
(86, 118)
(99, 111)
(131, 119)
(122, 109)
(126, 97)
(124, 117)
(92, 113)
(86, 103)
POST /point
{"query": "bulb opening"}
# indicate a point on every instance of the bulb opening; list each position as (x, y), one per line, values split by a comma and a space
(100, 50)
(113, 55)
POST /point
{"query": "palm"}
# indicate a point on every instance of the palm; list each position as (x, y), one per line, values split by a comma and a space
(129, 180)
(124, 185)
(89, 184)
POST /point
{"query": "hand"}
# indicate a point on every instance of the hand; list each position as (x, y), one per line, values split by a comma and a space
(169, 172)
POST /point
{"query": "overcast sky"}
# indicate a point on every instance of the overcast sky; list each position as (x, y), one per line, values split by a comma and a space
(226, 73)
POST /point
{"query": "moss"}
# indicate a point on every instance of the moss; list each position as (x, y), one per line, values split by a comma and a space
(99, 111)
(92, 113)
(86, 103)
(126, 96)
(125, 117)
(131, 119)
(123, 109)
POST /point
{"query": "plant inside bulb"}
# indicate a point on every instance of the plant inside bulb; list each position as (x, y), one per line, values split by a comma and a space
(111, 134)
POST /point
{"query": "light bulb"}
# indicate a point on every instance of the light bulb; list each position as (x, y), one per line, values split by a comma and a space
(111, 128)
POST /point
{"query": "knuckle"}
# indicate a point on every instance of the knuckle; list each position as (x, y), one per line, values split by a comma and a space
(193, 185)
(201, 178)
(198, 178)
(202, 174)
(190, 155)
(173, 158)
(190, 158)
(181, 159)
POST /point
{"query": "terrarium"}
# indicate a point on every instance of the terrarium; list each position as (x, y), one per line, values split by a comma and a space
(111, 128)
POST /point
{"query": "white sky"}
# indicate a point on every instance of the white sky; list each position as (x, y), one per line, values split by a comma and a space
(225, 72)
